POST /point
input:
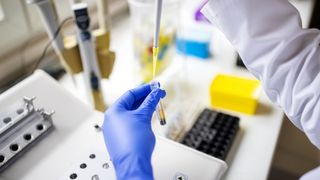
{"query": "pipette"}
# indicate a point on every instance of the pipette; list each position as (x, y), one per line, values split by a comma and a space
(155, 52)
(155, 49)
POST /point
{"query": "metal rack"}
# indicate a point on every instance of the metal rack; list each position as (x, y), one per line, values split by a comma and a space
(21, 127)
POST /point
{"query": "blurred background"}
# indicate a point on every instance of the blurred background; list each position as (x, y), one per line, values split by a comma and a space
(23, 38)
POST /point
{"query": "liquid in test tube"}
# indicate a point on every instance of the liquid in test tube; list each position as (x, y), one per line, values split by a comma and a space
(159, 108)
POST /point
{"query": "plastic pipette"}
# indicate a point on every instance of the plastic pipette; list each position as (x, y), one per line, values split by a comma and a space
(155, 52)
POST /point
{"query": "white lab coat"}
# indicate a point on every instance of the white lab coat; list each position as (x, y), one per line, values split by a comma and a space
(286, 58)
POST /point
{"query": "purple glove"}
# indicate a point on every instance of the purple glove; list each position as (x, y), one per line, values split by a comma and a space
(128, 134)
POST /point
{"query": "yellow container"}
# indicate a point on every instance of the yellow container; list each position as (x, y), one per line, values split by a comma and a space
(71, 54)
(102, 39)
(106, 61)
(235, 93)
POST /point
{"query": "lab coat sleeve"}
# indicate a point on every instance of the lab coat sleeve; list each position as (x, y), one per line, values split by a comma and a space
(312, 175)
(286, 58)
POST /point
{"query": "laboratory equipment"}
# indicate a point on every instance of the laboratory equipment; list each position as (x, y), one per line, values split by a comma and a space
(76, 137)
(213, 133)
(158, 13)
(159, 108)
(143, 23)
(22, 125)
(194, 42)
(91, 69)
(50, 21)
(155, 54)
(89, 53)
(235, 93)
(155, 48)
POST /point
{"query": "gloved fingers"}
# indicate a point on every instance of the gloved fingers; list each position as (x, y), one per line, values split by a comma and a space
(140, 101)
(151, 101)
(137, 104)
(132, 96)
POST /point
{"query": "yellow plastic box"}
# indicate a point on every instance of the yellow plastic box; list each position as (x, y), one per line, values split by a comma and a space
(235, 93)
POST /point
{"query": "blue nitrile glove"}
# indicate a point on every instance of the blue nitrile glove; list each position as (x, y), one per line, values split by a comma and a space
(128, 134)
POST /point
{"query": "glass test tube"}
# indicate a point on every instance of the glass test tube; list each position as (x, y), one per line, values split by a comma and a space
(159, 108)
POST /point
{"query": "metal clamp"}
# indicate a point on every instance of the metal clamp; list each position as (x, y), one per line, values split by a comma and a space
(21, 126)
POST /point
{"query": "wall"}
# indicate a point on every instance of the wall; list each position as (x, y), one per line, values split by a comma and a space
(23, 36)
(22, 21)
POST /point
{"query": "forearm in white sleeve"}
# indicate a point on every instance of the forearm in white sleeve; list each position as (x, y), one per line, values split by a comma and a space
(278, 51)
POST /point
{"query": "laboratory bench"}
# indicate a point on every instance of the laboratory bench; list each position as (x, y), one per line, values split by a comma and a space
(190, 78)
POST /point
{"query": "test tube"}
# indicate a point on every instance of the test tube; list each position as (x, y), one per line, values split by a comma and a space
(159, 108)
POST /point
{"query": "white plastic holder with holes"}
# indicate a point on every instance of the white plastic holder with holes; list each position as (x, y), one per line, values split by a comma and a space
(75, 138)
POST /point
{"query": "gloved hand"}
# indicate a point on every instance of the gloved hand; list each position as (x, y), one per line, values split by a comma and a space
(128, 134)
